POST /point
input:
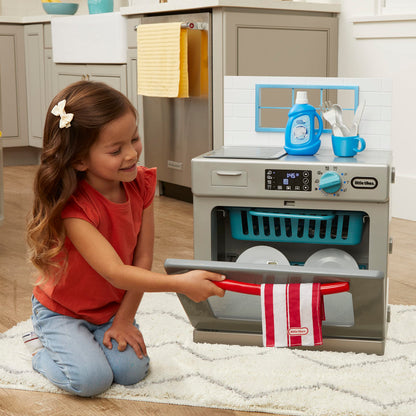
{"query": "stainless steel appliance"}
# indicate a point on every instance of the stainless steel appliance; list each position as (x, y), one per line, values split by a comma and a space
(300, 206)
(178, 129)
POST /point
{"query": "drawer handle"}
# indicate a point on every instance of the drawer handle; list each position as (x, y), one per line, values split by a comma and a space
(229, 173)
(254, 289)
(294, 216)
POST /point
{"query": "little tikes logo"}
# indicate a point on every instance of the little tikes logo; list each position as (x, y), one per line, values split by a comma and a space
(298, 331)
(360, 182)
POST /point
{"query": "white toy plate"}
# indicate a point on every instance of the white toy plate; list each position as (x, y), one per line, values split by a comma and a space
(332, 258)
(263, 255)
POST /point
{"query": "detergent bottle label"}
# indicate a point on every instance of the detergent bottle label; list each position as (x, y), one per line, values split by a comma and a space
(301, 129)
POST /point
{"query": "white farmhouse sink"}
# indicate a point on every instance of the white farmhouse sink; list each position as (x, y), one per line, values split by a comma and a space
(91, 38)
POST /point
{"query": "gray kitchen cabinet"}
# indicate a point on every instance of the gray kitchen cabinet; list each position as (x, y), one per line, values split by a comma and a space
(49, 64)
(13, 107)
(49, 93)
(39, 64)
(114, 75)
(132, 61)
(36, 82)
(132, 77)
(137, 100)
(262, 43)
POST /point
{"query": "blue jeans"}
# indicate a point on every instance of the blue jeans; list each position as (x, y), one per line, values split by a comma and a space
(74, 357)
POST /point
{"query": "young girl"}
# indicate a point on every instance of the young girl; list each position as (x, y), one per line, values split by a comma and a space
(91, 239)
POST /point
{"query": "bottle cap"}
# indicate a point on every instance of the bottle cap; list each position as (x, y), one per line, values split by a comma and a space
(301, 97)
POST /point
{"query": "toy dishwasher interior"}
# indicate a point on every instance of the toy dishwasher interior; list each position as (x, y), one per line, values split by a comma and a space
(294, 219)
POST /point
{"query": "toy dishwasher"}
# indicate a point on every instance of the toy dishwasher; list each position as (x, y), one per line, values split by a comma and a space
(292, 219)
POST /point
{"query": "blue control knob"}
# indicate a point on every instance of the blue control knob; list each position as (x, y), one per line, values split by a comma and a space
(330, 182)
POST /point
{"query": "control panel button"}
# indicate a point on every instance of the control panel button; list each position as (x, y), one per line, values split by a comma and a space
(330, 182)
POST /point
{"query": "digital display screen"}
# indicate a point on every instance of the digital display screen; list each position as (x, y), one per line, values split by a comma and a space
(288, 180)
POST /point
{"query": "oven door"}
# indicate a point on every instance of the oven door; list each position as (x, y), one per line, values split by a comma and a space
(357, 312)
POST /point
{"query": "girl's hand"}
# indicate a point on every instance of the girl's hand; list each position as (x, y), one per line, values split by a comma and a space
(125, 333)
(198, 286)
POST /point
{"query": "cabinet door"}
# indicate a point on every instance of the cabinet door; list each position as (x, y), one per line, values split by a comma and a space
(13, 107)
(65, 74)
(113, 75)
(35, 79)
(283, 44)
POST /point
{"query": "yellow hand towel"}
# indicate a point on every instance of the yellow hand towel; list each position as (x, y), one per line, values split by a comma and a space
(162, 60)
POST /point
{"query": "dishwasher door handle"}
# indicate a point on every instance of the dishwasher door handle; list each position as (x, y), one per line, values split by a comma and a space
(254, 289)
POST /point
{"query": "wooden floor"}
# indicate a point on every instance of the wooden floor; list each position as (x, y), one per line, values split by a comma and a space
(173, 239)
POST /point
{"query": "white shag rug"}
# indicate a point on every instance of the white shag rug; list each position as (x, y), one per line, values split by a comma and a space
(280, 381)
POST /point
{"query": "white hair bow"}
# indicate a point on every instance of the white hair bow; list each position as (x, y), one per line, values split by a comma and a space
(66, 118)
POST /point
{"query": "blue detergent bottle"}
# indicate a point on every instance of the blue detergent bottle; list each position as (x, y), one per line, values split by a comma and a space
(301, 137)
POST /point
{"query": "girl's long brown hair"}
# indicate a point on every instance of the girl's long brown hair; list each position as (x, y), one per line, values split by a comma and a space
(93, 104)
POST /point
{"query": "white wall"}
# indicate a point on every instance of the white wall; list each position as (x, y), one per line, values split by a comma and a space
(240, 109)
(393, 58)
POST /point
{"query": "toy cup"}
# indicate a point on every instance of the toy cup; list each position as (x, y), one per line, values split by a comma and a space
(347, 146)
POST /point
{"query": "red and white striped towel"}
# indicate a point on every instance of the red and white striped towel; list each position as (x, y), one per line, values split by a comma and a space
(292, 314)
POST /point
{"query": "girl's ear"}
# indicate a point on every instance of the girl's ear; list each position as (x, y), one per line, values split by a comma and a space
(80, 166)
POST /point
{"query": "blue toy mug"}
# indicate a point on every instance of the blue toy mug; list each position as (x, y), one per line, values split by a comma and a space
(347, 146)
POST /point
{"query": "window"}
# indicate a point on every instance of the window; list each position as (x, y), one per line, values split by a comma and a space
(273, 103)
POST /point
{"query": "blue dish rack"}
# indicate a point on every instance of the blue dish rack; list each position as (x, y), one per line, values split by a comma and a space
(297, 226)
